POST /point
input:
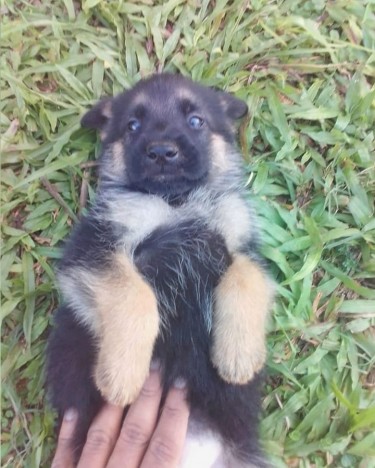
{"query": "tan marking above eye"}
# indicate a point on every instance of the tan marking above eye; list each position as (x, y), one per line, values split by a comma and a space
(140, 99)
(185, 94)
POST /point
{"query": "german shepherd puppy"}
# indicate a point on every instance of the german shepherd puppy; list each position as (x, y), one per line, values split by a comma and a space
(165, 266)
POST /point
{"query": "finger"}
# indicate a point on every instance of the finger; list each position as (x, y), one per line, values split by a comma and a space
(138, 426)
(166, 445)
(64, 454)
(101, 437)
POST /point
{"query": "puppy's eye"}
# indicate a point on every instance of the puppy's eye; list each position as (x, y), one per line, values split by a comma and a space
(195, 122)
(134, 125)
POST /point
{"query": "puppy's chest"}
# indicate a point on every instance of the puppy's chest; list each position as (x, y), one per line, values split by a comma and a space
(136, 216)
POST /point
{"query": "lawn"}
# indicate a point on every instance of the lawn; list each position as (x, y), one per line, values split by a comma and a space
(307, 72)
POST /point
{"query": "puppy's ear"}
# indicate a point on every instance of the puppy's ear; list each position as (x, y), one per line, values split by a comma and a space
(233, 107)
(98, 117)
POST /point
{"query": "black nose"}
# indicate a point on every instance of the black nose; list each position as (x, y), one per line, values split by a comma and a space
(162, 151)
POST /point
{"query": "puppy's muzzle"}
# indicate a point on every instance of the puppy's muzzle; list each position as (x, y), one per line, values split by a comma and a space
(162, 152)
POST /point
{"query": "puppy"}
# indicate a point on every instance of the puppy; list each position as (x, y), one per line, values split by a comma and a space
(165, 266)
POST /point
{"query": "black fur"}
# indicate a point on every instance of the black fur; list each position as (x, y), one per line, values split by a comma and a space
(163, 120)
(184, 349)
(182, 261)
(89, 245)
(71, 356)
(200, 258)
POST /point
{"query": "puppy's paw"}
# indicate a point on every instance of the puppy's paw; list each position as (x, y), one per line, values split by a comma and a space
(129, 319)
(242, 300)
(125, 349)
(238, 362)
(118, 379)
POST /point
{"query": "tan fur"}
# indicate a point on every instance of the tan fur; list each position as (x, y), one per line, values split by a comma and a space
(242, 300)
(141, 99)
(185, 93)
(118, 153)
(226, 168)
(107, 110)
(129, 319)
(220, 160)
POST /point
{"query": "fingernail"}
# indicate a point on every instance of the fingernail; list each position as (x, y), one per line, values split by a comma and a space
(70, 415)
(179, 383)
(155, 365)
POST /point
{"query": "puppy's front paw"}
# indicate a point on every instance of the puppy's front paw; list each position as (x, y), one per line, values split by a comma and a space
(242, 300)
(126, 347)
(237, 362)
(129, 322)
(118, 378)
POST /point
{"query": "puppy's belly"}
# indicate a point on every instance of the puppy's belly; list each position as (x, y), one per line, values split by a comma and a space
(203, 448)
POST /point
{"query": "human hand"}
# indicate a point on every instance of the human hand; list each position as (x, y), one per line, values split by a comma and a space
(141, 442)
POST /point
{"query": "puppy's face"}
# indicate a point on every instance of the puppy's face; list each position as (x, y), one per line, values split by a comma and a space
(164, 135)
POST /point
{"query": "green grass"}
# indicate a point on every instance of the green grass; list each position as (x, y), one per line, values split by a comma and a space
(307, 71)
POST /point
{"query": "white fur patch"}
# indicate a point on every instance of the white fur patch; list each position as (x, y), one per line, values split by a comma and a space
(203, 450)
(139, 213)
(234, 220)
(77, 286)
(228, 214)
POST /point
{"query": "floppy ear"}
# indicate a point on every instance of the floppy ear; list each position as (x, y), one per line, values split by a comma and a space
(233, 107)
(99, 116)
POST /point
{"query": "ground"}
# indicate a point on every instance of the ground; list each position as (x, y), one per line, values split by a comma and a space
(307, 72)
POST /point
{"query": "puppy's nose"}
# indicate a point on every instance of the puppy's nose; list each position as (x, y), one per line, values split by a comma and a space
(162, 151)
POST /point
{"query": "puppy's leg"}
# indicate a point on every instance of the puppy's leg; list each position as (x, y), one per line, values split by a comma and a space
(70, 359)
(129, 325)
(242, 300)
